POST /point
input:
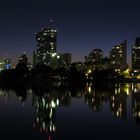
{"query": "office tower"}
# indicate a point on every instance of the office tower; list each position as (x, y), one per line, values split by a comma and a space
(23, 59)
(118, 56)
(93, 60)
(136, 56)
(64, 59)
(46, 46)
(94, 55)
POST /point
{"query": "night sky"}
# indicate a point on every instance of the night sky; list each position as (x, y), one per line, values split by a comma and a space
(82, 25)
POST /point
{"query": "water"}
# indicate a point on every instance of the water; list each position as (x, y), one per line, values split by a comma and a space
(76, 114)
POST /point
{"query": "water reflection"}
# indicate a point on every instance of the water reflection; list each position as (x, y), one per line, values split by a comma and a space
(45, 108)
(136, 102)
(46, 102)
(45, 113)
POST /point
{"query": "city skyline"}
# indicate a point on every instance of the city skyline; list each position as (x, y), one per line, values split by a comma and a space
(82, 26)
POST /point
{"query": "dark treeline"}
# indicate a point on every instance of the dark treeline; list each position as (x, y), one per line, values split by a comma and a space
(45, 76)
(41, 75)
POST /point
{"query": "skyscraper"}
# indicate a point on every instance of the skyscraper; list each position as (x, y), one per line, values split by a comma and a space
(94, 56)
(118, 56)
(65, 59)
(46, 46)
(93, 60)
(136, 56)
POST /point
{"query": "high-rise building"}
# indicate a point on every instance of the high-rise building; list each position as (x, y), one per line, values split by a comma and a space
(23, 59)
(93, 60)
(94, 55)
(64, 59)
(46, 46)
(136, 56)
(118, 56)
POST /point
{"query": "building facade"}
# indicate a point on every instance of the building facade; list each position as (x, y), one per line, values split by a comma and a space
(118, 56)
(94, 59)
(64, 59)
(46, 46)
(94, 56)
(136, 56)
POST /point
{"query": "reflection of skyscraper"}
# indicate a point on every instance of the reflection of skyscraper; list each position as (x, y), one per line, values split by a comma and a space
(46, 46)
(45, 113)
(118, 56)
(94, 99)
(136, 103)
(118, 102)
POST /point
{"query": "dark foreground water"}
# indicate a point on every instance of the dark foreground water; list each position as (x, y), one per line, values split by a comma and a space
(76, 114)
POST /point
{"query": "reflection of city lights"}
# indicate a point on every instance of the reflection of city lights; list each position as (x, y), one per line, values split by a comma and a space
(43, 100)
(43, 125)
(117, 113)
(119, 90)
(50, 114)
(138, 85)
(50, 128)
(54, 128)
(139, 114)
(53, 105)
(113, 105)
(30, 91)
(135, 90)
(113, 98)
(126, 90)
(37, 119)
(23, 104)
(116, 91)
(57, 102)
(89, 89)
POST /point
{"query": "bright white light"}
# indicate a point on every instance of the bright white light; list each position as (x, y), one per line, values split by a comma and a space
(57, 102)
(53, 105)
(54, 54)
(58, 56)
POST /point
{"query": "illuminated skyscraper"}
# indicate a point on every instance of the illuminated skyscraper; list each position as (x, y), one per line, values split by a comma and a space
(46, 46)
(136, 56)
(93, 60)
(118, 56)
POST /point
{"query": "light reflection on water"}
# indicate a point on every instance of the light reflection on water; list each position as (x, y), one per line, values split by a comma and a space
(71, 113)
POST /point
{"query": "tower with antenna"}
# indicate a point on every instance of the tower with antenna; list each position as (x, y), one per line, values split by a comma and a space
(47, 46)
